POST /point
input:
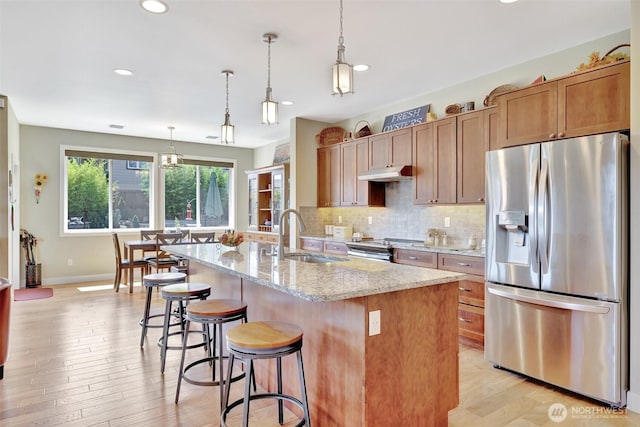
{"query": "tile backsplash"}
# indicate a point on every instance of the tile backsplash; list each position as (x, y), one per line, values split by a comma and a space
(401, 218)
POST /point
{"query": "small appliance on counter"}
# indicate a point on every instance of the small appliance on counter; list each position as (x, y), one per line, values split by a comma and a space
(342, 232)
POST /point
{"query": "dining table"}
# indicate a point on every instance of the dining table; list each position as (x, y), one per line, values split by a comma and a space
(131, 246)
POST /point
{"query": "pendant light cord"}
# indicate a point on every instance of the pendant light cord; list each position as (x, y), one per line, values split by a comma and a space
(341, 38)
(269, 63)
(226, 110)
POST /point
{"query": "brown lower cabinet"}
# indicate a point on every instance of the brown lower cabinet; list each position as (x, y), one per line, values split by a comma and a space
(471, 290)
(260, 237)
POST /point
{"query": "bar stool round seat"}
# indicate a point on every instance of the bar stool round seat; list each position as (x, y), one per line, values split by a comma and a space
(265, 340)
(216, 312)
(151, 281)
(181, 293)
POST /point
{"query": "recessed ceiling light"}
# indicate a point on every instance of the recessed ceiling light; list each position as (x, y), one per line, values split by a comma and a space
(211, 137)
(154, 6)
(508, 1)
(360, 67)
(287, 102)
(112, 126)
(123, 72)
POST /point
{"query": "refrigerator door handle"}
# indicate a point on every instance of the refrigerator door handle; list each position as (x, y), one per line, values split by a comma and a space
(543, 238)
(553, 301)
(533, 223)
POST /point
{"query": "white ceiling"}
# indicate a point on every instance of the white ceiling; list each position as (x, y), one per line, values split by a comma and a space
(57, 57)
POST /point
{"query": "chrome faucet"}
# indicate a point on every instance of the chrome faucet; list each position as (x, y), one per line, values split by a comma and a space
(281, 233)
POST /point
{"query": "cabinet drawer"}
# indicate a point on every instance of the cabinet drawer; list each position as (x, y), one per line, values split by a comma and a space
(471, 321)
(461, 264)
(335, 248)
(312, 244)
(471, 292)
(417, 258)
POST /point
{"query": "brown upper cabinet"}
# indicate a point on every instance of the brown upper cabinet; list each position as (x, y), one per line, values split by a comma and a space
(476, 132)
(390, 149)
(329, 164)
(355, 158)
(586, 103)
(434, 162)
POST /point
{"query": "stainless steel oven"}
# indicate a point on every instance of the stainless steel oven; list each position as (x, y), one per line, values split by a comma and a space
(379, 249)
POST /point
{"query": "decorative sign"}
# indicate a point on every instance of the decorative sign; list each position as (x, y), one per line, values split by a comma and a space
(406, 118)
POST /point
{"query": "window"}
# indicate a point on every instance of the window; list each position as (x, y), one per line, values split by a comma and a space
(137, 164)
(103, 193)
(197, 194)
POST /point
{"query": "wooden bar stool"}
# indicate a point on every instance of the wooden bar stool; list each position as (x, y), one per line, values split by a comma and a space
(214, 312)
(265, 340)
(151, 281)
(181, 293)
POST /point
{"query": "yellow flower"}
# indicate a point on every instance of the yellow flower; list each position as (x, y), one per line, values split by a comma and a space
(40, 179)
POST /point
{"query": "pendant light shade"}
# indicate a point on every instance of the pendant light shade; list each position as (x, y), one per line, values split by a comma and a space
(170, 159)
(269, 106)
(342, 71)
(227, 129)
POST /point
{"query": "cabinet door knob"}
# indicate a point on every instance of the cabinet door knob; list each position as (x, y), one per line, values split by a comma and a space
(464, 264)
(481, 199)
(464, 320)
(552, 135)
(561, 135)
(413, 258)
(465, 289)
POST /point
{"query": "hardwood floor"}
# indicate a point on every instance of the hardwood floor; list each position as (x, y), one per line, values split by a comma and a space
(75, 360)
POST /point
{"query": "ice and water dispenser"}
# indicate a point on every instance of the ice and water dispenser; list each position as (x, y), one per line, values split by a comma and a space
(512, 237)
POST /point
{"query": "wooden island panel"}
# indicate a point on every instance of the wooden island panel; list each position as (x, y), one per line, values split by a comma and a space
(407, 375)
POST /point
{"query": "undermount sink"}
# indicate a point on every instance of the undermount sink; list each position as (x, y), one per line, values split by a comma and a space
(313, 258)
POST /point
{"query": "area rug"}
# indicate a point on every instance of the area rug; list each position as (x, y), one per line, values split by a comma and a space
(31, 294)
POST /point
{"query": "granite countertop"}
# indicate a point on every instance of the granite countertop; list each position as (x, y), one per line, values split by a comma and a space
(348, 278)
(419, 246)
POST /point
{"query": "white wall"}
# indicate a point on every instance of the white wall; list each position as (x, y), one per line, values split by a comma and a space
(92, 256)
(633, 397)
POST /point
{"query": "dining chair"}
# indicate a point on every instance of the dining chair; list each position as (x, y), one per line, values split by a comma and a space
(163, 259)
(184, 232)
(149, 235)
(203, 237)
(123, 264)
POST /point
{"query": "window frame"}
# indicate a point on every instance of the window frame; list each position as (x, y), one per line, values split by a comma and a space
(232, 190)
(64, 231)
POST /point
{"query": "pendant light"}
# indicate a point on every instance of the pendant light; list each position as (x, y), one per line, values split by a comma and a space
(227, 129)
(269, 106)
(342, 71)
(171, 159)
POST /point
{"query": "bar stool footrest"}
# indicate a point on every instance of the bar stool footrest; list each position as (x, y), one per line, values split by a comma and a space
(209, 360)
(149, 325)
(181, 333)
(294, 400)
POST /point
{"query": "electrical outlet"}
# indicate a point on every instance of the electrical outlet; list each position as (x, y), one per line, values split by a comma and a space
(374, 323)
(70, 262)
(339, 219)
(447, 221)
(370, 220)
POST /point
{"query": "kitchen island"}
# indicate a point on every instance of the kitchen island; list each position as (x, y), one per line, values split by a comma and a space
(405, 375)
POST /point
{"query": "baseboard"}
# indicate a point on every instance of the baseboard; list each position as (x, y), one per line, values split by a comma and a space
(633, 401)
(52, 281)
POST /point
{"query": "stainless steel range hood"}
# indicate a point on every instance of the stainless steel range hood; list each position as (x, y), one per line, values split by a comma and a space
(392, 173)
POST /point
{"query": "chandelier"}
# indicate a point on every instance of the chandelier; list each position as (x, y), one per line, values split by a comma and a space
(269, 106)
(170, 159)
(342, 71)
(227, 129)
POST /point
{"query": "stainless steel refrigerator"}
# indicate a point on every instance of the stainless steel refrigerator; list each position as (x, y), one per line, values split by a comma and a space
(557, 263)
